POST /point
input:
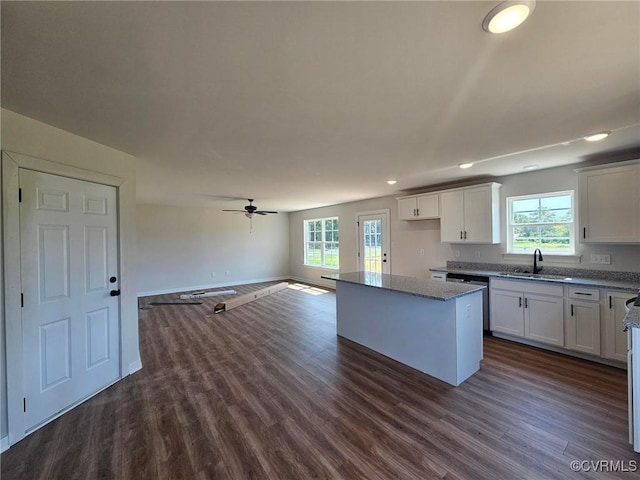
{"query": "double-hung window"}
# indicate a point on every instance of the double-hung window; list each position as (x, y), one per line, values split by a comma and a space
(544, 221)
(321, 242)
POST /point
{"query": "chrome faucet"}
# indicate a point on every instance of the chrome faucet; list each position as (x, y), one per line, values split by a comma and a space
(536, 259)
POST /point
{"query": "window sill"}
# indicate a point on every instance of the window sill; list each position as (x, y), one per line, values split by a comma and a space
(519, 257)
(331, 269)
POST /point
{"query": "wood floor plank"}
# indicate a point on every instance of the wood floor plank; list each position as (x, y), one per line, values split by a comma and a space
(268, 391)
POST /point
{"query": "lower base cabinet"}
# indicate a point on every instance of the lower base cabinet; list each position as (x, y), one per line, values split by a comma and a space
(587, 320)
(615, 338)
(527, 309)
(582, 321)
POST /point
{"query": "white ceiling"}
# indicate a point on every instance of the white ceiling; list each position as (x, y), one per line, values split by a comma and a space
(303, 104)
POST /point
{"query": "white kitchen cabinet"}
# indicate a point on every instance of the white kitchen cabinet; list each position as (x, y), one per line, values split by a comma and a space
(582, 325)
(615, 338)
(470, 215)
(527, 309)
(544, 318)
(506, 312)
(609, 204)
(419, 207)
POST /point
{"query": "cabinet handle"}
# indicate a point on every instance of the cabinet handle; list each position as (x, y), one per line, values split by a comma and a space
(519, 302)
(526, 302)
(610, 302)
(582, 293)
(584, 232)
(460, 234)
(572, 309)
(465, 234)
(417, 212)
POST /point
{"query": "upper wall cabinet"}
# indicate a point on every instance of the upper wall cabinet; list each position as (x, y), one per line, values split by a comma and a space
(471, 215)
(419, 207)
(609, 201)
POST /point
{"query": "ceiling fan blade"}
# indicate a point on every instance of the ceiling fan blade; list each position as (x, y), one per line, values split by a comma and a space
(238, 211)
(263, 212)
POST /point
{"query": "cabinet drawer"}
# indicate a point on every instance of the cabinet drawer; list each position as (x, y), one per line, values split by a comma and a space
(586, 294)
(527, 286)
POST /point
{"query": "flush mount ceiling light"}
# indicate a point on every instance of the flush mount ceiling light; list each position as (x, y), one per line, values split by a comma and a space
(392, 182)
(508, 15)
(466, 165)
(595, 137)
(531, 167)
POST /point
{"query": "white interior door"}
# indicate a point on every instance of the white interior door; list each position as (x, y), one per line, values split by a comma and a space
(373, 243)
(70, 319)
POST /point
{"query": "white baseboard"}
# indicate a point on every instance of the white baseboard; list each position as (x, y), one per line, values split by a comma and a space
(215, 285)
(320, 282)
(135, 366)
(4, 443)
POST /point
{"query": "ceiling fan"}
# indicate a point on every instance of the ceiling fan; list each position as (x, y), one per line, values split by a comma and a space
(251, 210)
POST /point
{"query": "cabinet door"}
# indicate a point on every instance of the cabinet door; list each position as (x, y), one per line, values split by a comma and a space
(477, 215)
(544, 319)
(615, 344)
(506, 312)
(428, 206)
(451, 217)
(610, 205)
(583, 326)
(407, 208)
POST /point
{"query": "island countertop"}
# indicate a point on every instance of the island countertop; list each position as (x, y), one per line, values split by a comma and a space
(413, 286)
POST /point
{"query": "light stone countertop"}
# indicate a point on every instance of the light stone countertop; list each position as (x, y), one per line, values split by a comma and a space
(433, 289)
(632, 320)
(565, 276)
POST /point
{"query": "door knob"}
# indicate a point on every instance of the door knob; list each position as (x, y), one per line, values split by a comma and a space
(113, 279)
(384, 260)
(114, 293)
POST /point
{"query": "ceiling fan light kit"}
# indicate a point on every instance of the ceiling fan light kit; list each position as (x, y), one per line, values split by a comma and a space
(251, 210)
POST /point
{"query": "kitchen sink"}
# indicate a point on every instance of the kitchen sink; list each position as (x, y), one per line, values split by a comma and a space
(518, 275)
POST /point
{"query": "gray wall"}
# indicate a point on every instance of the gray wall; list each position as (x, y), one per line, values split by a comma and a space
(184, 248)
(407, 238)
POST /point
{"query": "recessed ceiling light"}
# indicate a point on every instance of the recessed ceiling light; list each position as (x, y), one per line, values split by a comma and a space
(508, 15)
(392, 182)
(594, 137)
(466, 165)
(531, 167)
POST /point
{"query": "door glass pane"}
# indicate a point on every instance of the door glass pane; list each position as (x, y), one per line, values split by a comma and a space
(372, 246)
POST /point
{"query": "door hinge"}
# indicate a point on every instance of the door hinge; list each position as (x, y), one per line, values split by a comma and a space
(22, 300)
(358, 223)
(358, 254)
(24, 404)
(19, 195)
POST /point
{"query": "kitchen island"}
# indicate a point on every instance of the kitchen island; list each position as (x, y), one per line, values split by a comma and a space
(432, 326)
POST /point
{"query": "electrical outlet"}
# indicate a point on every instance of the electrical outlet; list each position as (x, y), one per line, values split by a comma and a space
(602, 259)
(457, 253)
(227, 273)
(422, 252)
(477, 254)
(213, 274)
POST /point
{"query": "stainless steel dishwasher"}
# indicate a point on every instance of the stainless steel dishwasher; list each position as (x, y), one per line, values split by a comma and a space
(475, 280)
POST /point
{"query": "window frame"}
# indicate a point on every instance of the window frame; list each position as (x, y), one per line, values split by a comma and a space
(322, 243)
(572, 224)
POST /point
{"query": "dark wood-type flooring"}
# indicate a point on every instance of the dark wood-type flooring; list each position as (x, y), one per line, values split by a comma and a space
(267, 391)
